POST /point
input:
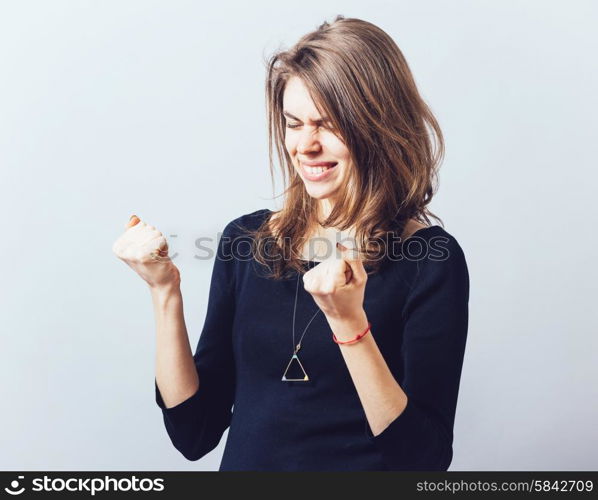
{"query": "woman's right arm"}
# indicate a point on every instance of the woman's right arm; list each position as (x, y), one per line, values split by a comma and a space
(195, 417)
(144, 249)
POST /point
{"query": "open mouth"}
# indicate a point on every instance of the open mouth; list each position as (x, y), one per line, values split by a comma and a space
(318, 172)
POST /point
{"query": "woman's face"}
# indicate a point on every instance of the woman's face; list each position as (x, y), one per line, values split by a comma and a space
(309, 138)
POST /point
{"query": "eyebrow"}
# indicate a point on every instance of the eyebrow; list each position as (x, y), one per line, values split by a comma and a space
(289, 115)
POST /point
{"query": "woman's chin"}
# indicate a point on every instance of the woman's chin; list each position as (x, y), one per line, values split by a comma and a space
(319, 193)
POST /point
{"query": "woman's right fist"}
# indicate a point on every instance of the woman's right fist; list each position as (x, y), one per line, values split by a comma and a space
(145, 249)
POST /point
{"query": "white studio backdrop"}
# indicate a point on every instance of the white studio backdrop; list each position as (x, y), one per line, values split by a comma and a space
(157, 108)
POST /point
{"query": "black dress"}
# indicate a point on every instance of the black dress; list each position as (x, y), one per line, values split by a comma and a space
(418, 309)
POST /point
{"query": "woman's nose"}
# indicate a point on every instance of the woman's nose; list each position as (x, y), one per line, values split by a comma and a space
(308, 142)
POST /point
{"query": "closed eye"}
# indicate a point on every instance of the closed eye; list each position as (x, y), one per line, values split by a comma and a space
(295, 125)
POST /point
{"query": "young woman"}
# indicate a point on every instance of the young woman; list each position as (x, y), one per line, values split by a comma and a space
(319, 356)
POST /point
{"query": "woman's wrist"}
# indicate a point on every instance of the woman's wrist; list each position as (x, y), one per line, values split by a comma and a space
(163, 294)
(348, 327)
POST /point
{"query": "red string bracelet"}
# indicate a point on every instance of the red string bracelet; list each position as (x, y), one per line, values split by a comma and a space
(356, 339)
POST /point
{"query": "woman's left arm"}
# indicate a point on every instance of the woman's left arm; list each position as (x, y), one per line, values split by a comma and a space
(411, 422)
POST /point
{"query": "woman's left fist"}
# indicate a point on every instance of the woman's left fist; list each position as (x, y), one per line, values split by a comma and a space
(338, 284)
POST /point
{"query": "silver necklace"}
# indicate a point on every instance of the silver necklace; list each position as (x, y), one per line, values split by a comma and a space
(294, 357)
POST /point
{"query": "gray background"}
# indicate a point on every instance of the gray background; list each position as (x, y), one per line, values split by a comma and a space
(157, 108)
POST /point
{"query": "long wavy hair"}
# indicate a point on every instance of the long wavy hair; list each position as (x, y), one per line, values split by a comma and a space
(359, 78)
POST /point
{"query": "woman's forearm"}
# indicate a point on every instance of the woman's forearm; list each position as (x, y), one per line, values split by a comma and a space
(381, 396)
(176, 375)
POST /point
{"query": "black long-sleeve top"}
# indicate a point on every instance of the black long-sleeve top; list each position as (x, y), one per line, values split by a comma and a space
(418, 310)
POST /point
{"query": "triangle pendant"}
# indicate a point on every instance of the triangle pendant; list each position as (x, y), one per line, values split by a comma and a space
(294, 371)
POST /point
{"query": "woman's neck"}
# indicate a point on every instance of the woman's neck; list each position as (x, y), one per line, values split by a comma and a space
(321, 241)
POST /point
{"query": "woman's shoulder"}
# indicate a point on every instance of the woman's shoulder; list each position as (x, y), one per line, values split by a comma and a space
(429, 250)
(246, 222)
(416, 231)
(439, 258)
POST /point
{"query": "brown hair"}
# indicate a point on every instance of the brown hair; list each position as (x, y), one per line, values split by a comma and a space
(359, 78)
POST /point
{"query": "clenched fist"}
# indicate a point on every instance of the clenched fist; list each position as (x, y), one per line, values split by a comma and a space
(337, 285)
(145, 249)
